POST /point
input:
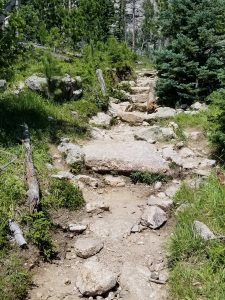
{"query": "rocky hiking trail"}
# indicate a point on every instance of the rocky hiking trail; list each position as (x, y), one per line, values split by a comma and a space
(115, 247)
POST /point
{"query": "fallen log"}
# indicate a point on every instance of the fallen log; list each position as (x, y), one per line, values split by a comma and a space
(32, 182)
(101, 81)
(17, 234)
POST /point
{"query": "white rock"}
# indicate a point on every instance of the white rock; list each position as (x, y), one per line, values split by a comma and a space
(186, 152)
(97, 206)
(77, 228)
(94, 279)
(158, 185)
(153, 217)
(114, 181)
(87, 247)
(203, 230)
(162, 113)
(101, 119)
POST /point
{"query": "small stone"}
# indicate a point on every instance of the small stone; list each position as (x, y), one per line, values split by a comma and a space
(154, 217)
(135, 228)
(63, 175)
(97, 207)
(158, 185)
(87, 247)
(182, 208)
(77, 228)
(202, 230)
(180, 145)
(67, 282)
(155, 275)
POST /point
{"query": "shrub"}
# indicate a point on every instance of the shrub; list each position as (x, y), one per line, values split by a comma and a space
(64, 194)
(39, 234)
(147, 177)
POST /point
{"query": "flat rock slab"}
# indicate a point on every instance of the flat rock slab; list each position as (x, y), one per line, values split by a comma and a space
(123, 156)
(94, 279)
(135, 279)
(87, 247)
(163, 203)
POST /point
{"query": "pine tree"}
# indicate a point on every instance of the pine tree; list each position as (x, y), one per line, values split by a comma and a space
(188, 67)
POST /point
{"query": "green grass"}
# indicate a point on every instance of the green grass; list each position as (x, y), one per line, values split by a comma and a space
(197, 267)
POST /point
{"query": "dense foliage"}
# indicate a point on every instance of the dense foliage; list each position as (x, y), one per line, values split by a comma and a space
(190, 67)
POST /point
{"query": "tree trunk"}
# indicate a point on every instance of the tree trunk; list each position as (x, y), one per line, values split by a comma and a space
(134, 25)
(32, 182)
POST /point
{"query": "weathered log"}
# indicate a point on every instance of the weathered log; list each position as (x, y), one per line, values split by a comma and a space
(101, 81)
(17, 233)
(32, 182)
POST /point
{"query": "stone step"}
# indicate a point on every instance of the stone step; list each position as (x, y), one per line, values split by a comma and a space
(139, 98)
(140, 90)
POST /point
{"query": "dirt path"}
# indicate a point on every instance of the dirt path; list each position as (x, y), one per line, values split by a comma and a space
(125, 227)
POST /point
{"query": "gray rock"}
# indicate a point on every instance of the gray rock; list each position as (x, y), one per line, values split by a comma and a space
(87, 180)
(123, 156)
(135, 279)
(87, 247)
(77, 228)
(36, 83)
(182, 208)
(3, 84)
(71, 88)
(202, 230)
(162, 113)
(163, 203)
(135, 229)
(97, 207)
(101, 119)
(153, 217)
(74, 153)
(94, 279)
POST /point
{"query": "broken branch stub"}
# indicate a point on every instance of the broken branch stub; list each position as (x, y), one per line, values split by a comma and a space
(17, 233)
(101, 81)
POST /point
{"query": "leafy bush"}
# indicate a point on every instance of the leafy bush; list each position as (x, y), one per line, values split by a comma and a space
(64, 194)
(147, 177)
(14, 280)
(39, 234)
(197, 266)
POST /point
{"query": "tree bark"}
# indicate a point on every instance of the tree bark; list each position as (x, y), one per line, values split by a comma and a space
(32, 182)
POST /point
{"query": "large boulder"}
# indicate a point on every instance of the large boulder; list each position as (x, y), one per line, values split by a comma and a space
(87, 247)
(37, 83)
(162, 113)
(94, 279)
(123, 156)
